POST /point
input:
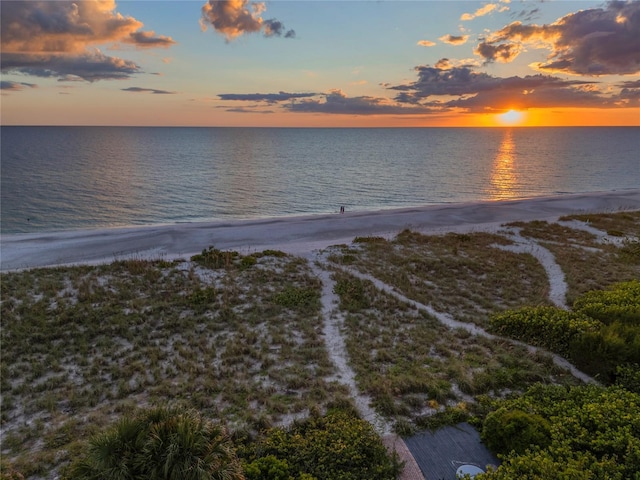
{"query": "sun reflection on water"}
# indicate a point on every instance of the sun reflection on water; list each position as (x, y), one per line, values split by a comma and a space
(504, 178)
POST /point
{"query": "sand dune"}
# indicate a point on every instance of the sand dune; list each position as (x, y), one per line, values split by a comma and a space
(297, 235)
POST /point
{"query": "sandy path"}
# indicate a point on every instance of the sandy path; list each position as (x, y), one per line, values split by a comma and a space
(333, 323)
(336, 347)
(471, 328)
(557, 283)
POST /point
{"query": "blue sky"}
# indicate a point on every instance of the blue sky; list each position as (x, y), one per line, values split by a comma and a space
(315, 63)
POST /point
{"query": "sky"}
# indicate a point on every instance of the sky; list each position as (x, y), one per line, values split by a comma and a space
(320, 63)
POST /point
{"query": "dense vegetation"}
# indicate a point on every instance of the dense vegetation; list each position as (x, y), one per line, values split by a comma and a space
(178, 444)
(601, 333)
(585, 432)
(337, 446)
(161, 443)
(239, 339)
(553, 432)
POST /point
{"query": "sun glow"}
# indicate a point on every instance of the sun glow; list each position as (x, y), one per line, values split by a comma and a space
(512, 117)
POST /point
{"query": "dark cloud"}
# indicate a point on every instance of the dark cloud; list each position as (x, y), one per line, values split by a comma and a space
(264, 97)
(481, 92)
(15, 86)
(88, 66)
(630, 91)
(150, 39)
(503, 53)
(336, 102)
(454, 39)
(598, 41)
(248, 110)
(58, 39)
(444, 81)
(275, 28)
(144, 90)
(233, 18)
(546, 96)
(630, 84)
(526, 15)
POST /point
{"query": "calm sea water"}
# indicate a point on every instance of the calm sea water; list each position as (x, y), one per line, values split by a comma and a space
(61, 178)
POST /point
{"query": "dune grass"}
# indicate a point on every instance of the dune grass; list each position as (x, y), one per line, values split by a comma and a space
(412, 366)
(462, 274)
(239, 338)
(588, 262)
(82, 345)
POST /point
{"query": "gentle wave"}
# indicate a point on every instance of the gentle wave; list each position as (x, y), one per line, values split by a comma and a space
(61, 178)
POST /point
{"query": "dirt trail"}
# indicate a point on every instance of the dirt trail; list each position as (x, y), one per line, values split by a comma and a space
(333, 323)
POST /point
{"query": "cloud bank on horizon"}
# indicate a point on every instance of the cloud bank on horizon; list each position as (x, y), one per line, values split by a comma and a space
(592, 58)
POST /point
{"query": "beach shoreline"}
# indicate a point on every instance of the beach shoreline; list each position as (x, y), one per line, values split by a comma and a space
(298, 235)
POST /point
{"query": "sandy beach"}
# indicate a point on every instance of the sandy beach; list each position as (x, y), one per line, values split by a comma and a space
(296, 235)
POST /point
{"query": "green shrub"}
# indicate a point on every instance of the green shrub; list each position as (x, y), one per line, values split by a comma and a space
(162, 443)
(546, 327)
(299, 298)
(267, 468)
(338, 446)
(514, 430)
(621, 302)
(202, 296)
(248, 261)
(213, 258)
(593, 433)
(352, 294)
(601, 352)
(628, 377)
(369, 239)
(273, 253)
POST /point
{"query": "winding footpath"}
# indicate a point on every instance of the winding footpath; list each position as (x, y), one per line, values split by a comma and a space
(333, 323)
(333, 320)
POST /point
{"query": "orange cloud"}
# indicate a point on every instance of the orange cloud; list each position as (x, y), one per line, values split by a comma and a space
(53, 39)
(454, 39)
(426, 43)
(597, 41)
(233, 18)
(482, 11)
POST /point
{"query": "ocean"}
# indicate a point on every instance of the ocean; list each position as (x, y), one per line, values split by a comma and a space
(68, 178)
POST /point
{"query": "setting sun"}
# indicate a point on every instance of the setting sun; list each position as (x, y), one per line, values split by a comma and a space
(512, 117)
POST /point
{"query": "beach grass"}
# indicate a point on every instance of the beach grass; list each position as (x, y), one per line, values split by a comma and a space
(82, 345)
(591, 261)
(412, 366)
(466, 275)
(240, 337)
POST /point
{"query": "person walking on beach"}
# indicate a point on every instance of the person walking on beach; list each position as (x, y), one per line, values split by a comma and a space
(342, 209)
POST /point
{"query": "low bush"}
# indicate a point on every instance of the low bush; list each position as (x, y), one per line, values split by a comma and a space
(167, 443)
(602, 351)
(546, 327)
(370, 239)
(213, 258)
(620, 302)
(337, 446)
(300, 298)
(587, 432)
(508, 430)
(628, 377)
(352, 293)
